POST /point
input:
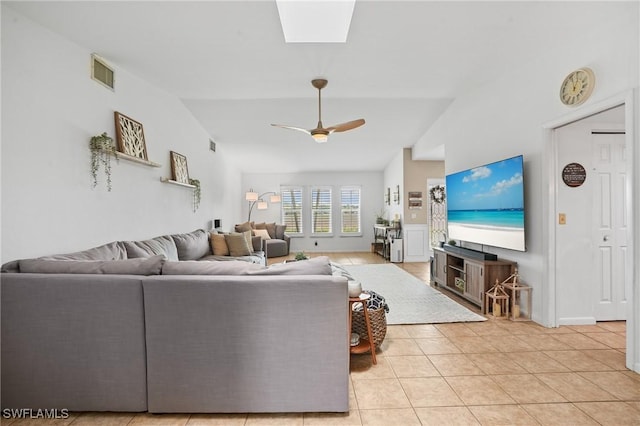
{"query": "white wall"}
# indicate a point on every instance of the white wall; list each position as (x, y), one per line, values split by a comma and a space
(505, 117)
(50, 110)
(394, 178)
(372, 201)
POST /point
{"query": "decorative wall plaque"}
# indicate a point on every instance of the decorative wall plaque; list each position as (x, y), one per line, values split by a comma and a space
(130, 136)
(574, 174)
(179, 170)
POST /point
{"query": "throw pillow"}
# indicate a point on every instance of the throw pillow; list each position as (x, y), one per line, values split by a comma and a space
(242, 227)
(262, 233)
(260, 225)
(219, 245)
(237, 244)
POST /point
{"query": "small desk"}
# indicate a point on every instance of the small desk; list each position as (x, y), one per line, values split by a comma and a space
(381, 234)
(365, 344)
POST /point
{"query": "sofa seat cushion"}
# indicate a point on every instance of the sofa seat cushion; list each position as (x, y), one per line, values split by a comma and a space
(315, 266)
(193, 245)
(142, 266)
(276, 248)
(163, 245)
(192, 267)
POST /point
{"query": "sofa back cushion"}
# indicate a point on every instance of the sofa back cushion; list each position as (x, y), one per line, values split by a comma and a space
(315, 266)
(111, 251)
(279, 231)
(163, 245)
(141, 266)
(193, 245)
(194, 267)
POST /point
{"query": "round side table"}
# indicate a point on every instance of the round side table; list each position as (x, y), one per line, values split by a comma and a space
(365, 344)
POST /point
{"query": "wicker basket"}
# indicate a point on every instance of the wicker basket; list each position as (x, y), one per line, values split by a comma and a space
(378, 320)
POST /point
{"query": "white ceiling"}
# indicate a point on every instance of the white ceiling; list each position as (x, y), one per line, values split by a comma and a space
(403, 64)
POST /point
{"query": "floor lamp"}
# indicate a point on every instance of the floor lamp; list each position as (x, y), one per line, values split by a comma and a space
(256, 200)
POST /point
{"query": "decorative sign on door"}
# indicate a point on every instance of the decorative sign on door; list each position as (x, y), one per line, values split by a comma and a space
(574, 174)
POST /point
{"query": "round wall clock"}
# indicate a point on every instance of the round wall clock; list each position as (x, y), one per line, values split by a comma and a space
(577, 86)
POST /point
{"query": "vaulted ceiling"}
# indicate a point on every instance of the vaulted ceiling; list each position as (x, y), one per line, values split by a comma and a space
(403, 64)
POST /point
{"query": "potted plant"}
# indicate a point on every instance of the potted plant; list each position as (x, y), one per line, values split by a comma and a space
(197, 193)
(301, 256)
(380, 217)
(102, 147)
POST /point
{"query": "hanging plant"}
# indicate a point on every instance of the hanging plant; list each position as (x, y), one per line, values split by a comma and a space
(197, 193)
(437, 194)
(102, 147)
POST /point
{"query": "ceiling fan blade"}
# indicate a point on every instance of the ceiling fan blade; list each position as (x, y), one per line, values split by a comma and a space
(292, 128)
(343, 127)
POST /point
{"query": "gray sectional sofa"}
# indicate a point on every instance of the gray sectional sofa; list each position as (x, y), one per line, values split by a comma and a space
(102, 331)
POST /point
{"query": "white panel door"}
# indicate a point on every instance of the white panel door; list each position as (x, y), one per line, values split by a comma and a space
(610, 226)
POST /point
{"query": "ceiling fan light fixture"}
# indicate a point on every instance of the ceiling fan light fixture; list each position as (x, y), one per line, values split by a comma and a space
(320, 136)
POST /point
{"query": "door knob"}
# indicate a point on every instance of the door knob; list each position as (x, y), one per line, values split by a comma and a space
(605, 238)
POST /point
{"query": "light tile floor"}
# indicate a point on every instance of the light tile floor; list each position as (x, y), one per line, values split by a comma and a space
(495, 372)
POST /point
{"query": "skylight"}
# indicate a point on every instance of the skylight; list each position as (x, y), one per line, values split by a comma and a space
(315, 21)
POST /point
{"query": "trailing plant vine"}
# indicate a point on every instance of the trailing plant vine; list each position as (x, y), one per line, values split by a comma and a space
(102, 148)
(197, 193)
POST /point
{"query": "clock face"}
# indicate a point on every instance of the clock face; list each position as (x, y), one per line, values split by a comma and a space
(577, 87)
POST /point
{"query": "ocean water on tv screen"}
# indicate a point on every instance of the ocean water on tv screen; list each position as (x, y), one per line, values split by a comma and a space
(503, 218)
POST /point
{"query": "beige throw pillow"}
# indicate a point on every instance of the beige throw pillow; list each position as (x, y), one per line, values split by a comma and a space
(237, 244)
(262, 233)
(219, 245)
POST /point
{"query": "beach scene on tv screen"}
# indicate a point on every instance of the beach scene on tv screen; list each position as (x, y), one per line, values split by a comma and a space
(485, 204)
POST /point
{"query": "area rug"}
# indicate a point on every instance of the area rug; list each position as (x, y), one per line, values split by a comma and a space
(410, 300)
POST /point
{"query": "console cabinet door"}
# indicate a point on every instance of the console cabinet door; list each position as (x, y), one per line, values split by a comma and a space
(474, 285)
(440, 267)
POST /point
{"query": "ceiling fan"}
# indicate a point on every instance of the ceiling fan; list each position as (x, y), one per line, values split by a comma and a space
(320, 134)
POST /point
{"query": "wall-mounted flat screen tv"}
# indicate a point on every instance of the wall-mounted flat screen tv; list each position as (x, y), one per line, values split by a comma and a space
(485, 204)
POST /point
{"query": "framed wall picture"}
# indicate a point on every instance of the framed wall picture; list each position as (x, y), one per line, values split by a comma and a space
(130, 136)
(179, 169)
(415, 194)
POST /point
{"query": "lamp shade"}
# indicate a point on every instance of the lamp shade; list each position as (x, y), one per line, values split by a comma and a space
(262, 205)
(251, 195)
(275, 198)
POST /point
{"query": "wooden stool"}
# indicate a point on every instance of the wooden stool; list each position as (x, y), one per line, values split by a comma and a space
(365, 344)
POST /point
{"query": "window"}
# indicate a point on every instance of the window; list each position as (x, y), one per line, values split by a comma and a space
(321, 210)
(350, 209)
(291, 204)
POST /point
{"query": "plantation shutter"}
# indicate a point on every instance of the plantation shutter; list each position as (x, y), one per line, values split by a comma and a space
(291, 205)
(321, 210)
(350, 210)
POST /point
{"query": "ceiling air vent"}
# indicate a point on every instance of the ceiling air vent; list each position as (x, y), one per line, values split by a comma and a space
(101, 72)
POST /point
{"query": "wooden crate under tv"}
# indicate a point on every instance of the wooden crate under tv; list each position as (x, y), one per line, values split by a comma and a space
(478, 275)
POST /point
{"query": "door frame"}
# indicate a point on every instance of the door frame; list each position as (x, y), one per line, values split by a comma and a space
(629, 100)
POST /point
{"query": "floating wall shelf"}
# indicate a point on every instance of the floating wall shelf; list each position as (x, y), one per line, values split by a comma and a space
(186, 185)
(123, 156)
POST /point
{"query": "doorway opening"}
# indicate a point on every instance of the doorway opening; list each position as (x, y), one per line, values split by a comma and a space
(570, 294)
